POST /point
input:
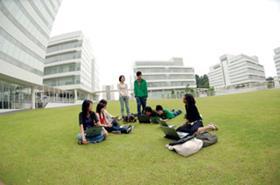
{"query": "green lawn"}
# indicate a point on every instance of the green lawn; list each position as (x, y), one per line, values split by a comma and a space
(39, 147)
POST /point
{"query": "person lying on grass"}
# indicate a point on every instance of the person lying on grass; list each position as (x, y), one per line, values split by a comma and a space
(165, 114)
(87, 121)
(110, 125)
(194, 124)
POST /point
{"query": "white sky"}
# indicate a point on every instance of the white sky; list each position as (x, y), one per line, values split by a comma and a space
(200, 31)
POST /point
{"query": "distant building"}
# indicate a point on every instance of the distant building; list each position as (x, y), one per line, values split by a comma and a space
(236, 71)
(25, 27)
(109, 92)
(166, 79)
(277, 60)
(70, 65)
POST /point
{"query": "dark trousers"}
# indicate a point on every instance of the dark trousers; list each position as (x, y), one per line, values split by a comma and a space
(176, 112)
(141, 101)
(116, 127)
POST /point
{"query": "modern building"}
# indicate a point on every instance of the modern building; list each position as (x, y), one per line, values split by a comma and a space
(166, 79)
(277, 60)
(70, 65)
(236, 72)
(25, 27)
(108, 92)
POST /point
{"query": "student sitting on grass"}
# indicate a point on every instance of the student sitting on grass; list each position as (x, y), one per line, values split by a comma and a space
(194, 124)
(109, 116)
(89, 122)
(165, 114)
(110, 125)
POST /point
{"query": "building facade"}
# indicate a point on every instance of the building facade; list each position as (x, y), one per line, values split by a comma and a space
(277, 61)
(236, 72)
(70, 65)
(25, 27)
(166, 79)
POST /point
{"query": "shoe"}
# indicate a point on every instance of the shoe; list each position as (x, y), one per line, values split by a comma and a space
(116, 132)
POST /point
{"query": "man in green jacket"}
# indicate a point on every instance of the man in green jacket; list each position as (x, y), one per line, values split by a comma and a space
(140, 92)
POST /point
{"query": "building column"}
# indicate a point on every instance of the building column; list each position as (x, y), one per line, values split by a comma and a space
(75, 95)
(33, 98)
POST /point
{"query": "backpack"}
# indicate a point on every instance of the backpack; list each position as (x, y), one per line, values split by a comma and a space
(207, 138)
(129, 119)
(188, 148)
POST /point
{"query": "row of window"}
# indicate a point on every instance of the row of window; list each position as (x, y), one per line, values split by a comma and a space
(64, 45)
(168, 84)
(163, 77)
(165, 70)
(69, 80)
(62, 68)
(63, 57)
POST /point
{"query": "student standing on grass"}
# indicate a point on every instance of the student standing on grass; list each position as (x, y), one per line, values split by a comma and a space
(87, 120)
(124, 97)
(194, 124)
(140, 92)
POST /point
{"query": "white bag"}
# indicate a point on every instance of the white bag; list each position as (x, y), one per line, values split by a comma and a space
(188, 148)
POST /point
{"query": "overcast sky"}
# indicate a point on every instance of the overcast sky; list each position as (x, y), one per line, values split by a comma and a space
(200, 31)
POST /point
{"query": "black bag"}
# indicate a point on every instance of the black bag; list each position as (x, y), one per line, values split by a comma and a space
(129, 119)
(207, 138)
(181, 141)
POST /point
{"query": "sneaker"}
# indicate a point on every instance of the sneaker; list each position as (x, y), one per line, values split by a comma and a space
(116, 132)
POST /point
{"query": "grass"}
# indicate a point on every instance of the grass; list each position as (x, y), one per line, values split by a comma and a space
(39, 147)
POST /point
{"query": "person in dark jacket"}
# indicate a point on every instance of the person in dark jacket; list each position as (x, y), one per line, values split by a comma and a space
(194, 122)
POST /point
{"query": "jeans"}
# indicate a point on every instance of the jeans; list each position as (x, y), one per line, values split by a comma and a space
(141, 101)
(124, 102)
(96, 139)
(176, 112)
(116, 127)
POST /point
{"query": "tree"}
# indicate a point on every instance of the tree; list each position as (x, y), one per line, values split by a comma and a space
(202, 81)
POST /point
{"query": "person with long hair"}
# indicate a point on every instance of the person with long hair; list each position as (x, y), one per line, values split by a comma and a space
(123, 95)
(87, 120)
(194, 124)
(110, 125)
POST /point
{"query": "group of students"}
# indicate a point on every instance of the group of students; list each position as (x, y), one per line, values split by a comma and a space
(94, 126)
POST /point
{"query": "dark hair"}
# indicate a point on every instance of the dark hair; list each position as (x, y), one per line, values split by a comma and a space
(138, 73)
(159, 107)
(190, 100)
(148, 109)
(120, 78)
(103, 102)
(99, 107)
(85, 107)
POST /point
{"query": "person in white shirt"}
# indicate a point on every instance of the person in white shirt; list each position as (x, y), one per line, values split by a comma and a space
(124, 96)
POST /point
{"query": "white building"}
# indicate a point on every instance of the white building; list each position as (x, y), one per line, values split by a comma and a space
(108, 92)
(166, 79)
(70, 65)
(277, 60)
(236, 71)
(24, 33)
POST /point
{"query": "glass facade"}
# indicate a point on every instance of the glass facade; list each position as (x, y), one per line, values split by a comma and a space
(24, 33)
(62, 57)
(68, 80)
(14, 96)
(62, 68)
(64, 45)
